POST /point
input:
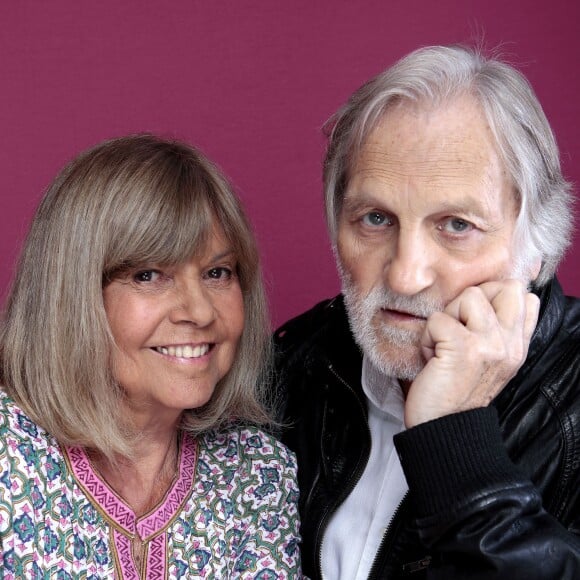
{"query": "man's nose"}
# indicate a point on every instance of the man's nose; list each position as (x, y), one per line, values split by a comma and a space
(193, 304)
(411, 268)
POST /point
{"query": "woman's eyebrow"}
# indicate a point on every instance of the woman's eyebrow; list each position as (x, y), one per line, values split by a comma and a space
(225, 254)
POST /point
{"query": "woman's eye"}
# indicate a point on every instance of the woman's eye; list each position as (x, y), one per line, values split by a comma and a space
(144, 276)
(456, 226)
(220, 273)
(375, 218)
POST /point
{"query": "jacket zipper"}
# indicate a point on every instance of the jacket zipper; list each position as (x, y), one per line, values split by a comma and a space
(353, 481)
(381, 550)
(373, 572)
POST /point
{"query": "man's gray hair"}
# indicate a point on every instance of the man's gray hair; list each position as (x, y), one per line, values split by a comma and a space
(525, 142)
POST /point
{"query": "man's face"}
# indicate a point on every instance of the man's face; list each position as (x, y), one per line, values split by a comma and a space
(428, 211)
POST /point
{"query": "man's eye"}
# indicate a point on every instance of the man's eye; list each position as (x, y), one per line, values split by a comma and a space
(220, 273)
(144, 276)
(375, 218)
(456, 226)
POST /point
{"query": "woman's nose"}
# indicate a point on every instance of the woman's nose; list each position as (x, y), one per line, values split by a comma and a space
(193, 305)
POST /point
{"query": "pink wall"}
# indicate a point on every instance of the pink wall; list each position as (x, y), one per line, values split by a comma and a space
(251, 82)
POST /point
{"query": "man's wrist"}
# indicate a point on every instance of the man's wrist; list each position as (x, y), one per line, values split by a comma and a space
(450, 459)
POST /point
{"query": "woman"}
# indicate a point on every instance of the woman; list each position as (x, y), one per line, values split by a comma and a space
(134, 339)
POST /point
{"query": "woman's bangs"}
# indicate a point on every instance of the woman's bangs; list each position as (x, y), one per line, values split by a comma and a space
(170, 231)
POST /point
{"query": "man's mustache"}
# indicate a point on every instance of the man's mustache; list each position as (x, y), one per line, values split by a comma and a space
(418, 305)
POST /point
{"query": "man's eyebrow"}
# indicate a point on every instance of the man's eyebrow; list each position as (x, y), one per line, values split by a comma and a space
(363, 201)
(468, 206)
(353, 204)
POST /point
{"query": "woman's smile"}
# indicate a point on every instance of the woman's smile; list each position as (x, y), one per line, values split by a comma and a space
(185, 351)
(176, 328)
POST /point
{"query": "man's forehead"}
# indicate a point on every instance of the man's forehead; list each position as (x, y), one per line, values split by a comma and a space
(449, 143)
(381, 158)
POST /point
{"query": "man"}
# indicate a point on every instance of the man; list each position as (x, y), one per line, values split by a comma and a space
(424, 450)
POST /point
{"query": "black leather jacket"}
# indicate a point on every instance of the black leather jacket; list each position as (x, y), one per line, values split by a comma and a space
(494, 492)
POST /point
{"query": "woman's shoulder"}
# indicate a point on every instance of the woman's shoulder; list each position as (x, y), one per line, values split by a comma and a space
(244, 443)
(14, 420)
(18, 431)
(256, 469)
(248, 456)
(27, 454)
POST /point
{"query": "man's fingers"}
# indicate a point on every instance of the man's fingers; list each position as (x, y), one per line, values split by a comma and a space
(440, 329)
(509, 303)
(473, 309)
(480, 306)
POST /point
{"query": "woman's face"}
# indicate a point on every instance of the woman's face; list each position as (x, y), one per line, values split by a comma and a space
(177, 330)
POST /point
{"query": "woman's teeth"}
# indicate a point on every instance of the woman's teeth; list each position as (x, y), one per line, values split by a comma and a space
(184, 351)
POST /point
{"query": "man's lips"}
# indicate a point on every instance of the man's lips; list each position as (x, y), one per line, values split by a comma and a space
(402, 315)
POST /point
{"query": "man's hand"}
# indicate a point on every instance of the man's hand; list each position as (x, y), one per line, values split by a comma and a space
(473, 348)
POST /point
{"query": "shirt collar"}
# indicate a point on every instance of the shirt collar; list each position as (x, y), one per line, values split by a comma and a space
(382, 391)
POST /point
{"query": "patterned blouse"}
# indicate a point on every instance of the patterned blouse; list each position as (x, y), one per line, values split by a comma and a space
(231, 511)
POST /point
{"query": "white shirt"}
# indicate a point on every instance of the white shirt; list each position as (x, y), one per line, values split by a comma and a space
(352, 538)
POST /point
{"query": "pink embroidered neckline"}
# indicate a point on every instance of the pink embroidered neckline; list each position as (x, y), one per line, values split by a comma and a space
(118, 511)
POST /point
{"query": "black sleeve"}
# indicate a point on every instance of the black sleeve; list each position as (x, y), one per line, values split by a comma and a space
(475, 509)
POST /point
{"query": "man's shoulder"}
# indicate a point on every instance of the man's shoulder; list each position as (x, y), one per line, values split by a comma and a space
(317, 341)
(311, 326)
(558, 328)
(572, 315)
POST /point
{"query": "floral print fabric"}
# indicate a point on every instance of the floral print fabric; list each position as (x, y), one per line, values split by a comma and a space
(230, 513)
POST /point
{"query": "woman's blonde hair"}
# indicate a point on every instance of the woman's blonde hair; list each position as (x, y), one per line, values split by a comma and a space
(125, 203)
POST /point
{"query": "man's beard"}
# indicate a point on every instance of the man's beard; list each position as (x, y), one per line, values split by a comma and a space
(393, 351)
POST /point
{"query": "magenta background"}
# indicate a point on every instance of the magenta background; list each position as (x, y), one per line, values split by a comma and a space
(251, 83)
